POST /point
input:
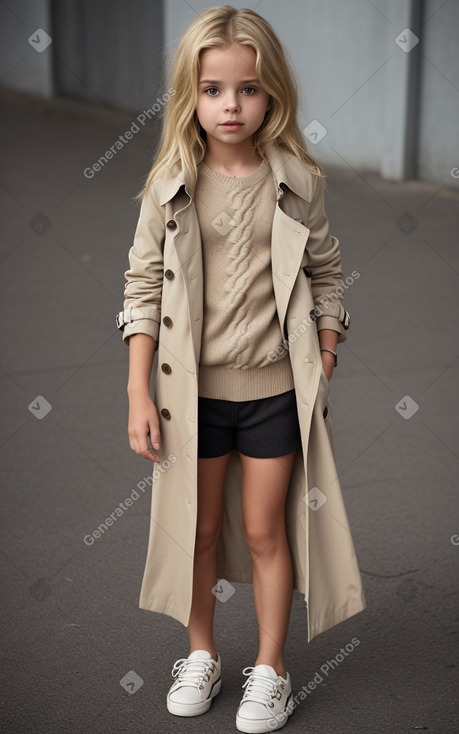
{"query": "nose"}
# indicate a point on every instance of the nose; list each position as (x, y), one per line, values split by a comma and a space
(231, 102)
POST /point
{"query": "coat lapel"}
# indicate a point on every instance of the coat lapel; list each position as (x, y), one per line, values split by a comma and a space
(287, 248)
(289, 236)
(187, 242)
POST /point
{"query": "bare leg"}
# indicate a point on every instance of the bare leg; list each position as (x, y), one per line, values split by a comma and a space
(211, 474)
(264, 491)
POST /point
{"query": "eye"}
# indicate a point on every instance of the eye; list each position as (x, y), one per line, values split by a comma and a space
(249, 91)
(211, 91)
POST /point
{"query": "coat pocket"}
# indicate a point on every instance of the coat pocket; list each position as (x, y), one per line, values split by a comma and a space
(324, 386)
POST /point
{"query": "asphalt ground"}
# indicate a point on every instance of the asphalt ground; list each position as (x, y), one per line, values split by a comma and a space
(71, 628)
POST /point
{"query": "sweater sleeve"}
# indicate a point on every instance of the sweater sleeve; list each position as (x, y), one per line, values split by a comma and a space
(324, 266)
(144, 278)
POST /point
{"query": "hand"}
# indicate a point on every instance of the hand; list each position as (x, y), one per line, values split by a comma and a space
(328, 339)
(143, 424)
(328, 364)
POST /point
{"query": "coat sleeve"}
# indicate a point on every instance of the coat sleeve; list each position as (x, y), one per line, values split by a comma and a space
(144, 278)
(324, 268)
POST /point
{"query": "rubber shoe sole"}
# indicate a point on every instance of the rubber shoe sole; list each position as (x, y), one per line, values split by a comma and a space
(194, 709)
(278, 721)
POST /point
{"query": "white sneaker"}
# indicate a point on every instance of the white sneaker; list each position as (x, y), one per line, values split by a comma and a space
(197, 683)
(265, 704)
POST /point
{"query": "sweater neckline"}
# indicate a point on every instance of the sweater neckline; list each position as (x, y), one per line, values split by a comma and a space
(236, 182)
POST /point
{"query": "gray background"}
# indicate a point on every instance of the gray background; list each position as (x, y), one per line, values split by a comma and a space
(71, 629)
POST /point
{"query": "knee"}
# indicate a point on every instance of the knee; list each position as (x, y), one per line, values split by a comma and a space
(207, 537)
(263, 541)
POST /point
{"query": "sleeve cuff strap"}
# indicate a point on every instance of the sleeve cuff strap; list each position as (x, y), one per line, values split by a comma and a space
(141, 326)
(334, 323)
(135, 314)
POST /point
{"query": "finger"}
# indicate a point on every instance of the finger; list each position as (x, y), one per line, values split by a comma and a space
(150, 456)
(154, 437)
(146, 449)
(140, 446)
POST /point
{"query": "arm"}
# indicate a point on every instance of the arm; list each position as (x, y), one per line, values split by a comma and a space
(143, 417)
(326, 274)
(141, 317)
(328, 339)
(144, 278)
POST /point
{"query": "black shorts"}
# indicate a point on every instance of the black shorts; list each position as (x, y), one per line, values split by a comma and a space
(262, 428)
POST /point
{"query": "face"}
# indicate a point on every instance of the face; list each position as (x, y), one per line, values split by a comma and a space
(231, 102)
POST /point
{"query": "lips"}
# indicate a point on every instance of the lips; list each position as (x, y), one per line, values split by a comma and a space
(232, 125)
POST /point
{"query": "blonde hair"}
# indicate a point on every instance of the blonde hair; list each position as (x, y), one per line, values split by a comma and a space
(181, 141)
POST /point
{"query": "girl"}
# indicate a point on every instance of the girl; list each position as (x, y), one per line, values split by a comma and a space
(235, 279)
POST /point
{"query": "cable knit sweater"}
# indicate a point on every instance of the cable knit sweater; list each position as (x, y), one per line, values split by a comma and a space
(240, 324)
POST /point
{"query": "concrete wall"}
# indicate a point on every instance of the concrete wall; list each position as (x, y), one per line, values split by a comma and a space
(26, 64)
(109, 50)
(383, 108)
(439, 99)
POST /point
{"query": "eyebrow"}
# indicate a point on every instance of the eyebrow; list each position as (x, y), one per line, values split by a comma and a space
(215, 81)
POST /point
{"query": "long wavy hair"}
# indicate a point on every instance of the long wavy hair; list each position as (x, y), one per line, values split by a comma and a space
(183, 140)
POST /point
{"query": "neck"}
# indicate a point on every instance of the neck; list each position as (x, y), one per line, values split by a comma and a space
(231, 157)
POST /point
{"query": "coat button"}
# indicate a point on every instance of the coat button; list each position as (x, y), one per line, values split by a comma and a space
(172, 224)
(166, 368)
(167, 321)
(165, 414)
(170, 275)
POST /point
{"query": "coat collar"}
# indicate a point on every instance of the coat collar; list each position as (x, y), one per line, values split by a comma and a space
(287, 169)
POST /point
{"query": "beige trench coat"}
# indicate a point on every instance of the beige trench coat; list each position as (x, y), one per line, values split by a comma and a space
(164, 298)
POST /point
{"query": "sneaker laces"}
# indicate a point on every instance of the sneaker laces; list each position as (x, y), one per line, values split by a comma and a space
(193, 672)
(260, 688)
